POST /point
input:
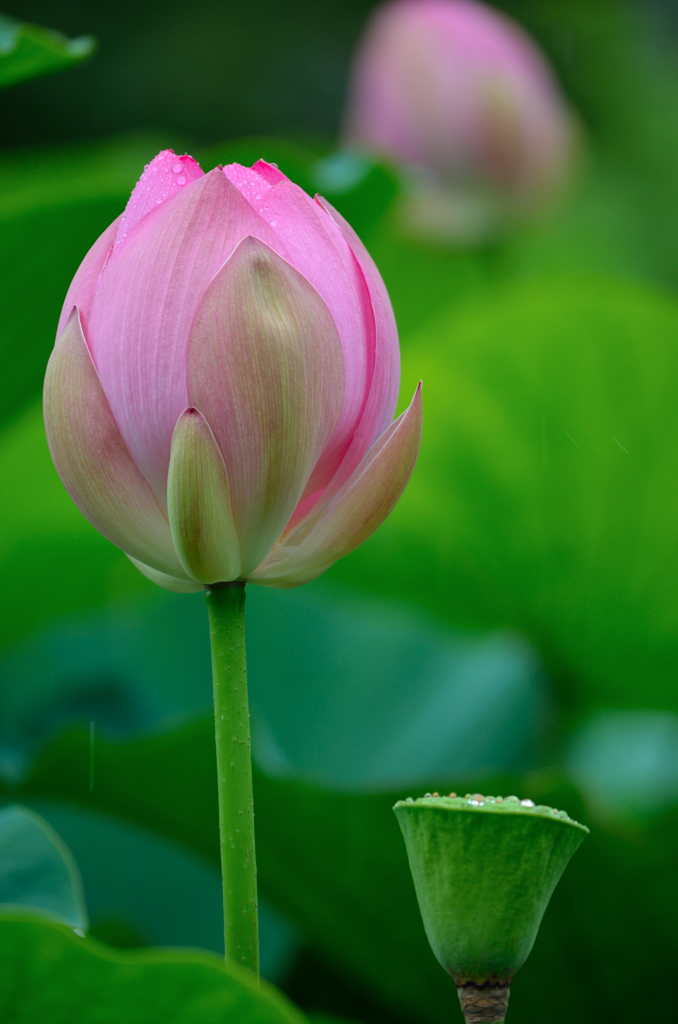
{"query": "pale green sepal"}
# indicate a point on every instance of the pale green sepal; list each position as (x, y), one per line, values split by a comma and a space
(173, 583)
(484, 870)
(94, 462)
(199, 503)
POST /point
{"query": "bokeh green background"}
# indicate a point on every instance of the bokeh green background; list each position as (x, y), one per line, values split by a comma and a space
(512, 626)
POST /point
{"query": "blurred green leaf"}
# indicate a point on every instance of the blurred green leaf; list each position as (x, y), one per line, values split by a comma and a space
(29, 51)
(546, 494)
(335, 865)
(37, 870)
(45, 538)
(422, 278)
(49, 974)
(361, 189)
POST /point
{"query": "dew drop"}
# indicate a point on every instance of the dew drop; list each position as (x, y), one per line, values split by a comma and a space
(181, 180)
(512, 800)
(527, 803)
(177, 168)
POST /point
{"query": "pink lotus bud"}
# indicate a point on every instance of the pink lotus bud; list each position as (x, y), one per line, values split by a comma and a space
(219, 402)
(461, 95)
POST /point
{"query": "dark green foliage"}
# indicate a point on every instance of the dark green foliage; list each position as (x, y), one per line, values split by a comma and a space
(335, 864)
(29, 51)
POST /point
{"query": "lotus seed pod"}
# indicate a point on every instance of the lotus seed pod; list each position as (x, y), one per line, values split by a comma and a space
(484, 869)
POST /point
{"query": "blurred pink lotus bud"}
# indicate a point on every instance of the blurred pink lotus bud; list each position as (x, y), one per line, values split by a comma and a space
(219, 402)
(461, 95)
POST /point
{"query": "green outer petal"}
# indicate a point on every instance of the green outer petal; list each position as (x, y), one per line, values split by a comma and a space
(178, 586)
(92, 459)
(361, 506)
(199, 503)
(266, 369)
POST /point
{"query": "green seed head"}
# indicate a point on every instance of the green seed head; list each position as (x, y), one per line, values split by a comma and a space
(484, 869)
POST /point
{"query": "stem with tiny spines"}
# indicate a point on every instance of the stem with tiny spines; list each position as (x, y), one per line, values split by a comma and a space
(226, 611)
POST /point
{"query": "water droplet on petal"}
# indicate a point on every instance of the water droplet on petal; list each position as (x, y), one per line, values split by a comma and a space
(177, 168)
(181, 180)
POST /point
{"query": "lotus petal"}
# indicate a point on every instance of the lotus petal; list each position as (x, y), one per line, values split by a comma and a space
(361, 506)
(265, 368)
(166, 175)
(199, 503)
(146, 302)
(311, 241)
(172, 583)
(385, 370)
(92, 460)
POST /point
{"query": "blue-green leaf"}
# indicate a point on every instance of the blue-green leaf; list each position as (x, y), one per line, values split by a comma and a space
(37, 870)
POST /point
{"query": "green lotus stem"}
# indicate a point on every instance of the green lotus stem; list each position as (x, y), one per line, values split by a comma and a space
(226, 609)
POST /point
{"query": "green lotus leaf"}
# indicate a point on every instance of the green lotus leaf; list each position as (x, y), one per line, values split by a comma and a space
(47, 973)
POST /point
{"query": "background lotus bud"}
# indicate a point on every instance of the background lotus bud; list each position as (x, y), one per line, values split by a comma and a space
(461, 96)
(219, 402)
(484, 869)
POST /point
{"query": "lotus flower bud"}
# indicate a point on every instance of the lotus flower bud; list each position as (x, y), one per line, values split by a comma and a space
(484, 869)
(461, 96)
(219, 402)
